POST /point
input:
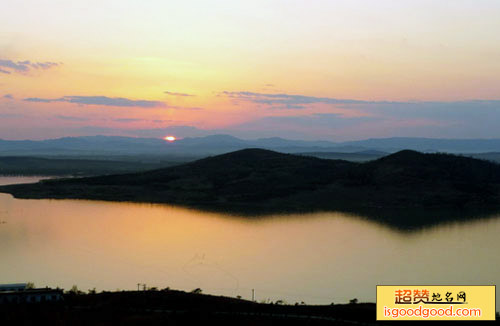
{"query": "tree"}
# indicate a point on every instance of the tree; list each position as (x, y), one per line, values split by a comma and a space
(197, 291)
(74, 290)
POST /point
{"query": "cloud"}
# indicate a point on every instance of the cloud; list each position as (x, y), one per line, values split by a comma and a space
(178, 94)
(44, 65)
(316, 122)
(288, 101)
(10, 115)
(36, 99)
(462, 111)
(454, 110)
(9, 66)
(112, 101)
(178, 131)
(187, 108)
(128, 120)
(70, 118)
(453, 119)
(141, 120)
(8, 96)
(101, 100)
(335, 119)
(20, 66)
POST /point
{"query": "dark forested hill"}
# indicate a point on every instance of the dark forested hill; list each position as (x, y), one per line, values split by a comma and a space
(25, 165)
(254, 181)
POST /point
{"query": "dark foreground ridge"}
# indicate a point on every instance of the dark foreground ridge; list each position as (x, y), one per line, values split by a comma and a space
(171, 307)
(407, 189)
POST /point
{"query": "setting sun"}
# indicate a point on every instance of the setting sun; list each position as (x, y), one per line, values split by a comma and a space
(170, 138)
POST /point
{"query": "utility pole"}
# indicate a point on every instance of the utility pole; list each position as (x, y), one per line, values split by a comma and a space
(253, 294)
(138, 285)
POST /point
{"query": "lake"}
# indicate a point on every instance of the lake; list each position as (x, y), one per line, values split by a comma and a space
(315, 258)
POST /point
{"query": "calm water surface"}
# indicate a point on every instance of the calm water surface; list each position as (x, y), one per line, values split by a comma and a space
(316, 258)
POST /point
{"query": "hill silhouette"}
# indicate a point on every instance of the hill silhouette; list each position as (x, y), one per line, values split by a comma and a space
(406, 189)
(26, 165)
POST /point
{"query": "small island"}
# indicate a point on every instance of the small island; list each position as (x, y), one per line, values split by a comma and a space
(406, 190)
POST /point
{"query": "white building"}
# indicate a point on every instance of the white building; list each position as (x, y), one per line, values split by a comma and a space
(13, 287)
(20, 293)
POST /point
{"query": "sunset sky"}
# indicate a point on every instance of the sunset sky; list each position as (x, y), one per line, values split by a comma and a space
(333, 70)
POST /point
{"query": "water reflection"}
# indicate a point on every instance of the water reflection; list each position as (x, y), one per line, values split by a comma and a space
(316, 258)
(9, 180)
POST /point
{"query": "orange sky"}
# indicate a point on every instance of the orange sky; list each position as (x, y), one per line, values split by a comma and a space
(84, 54)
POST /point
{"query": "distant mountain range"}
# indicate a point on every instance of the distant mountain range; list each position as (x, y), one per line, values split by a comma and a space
(406, 189)
(219, 144)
